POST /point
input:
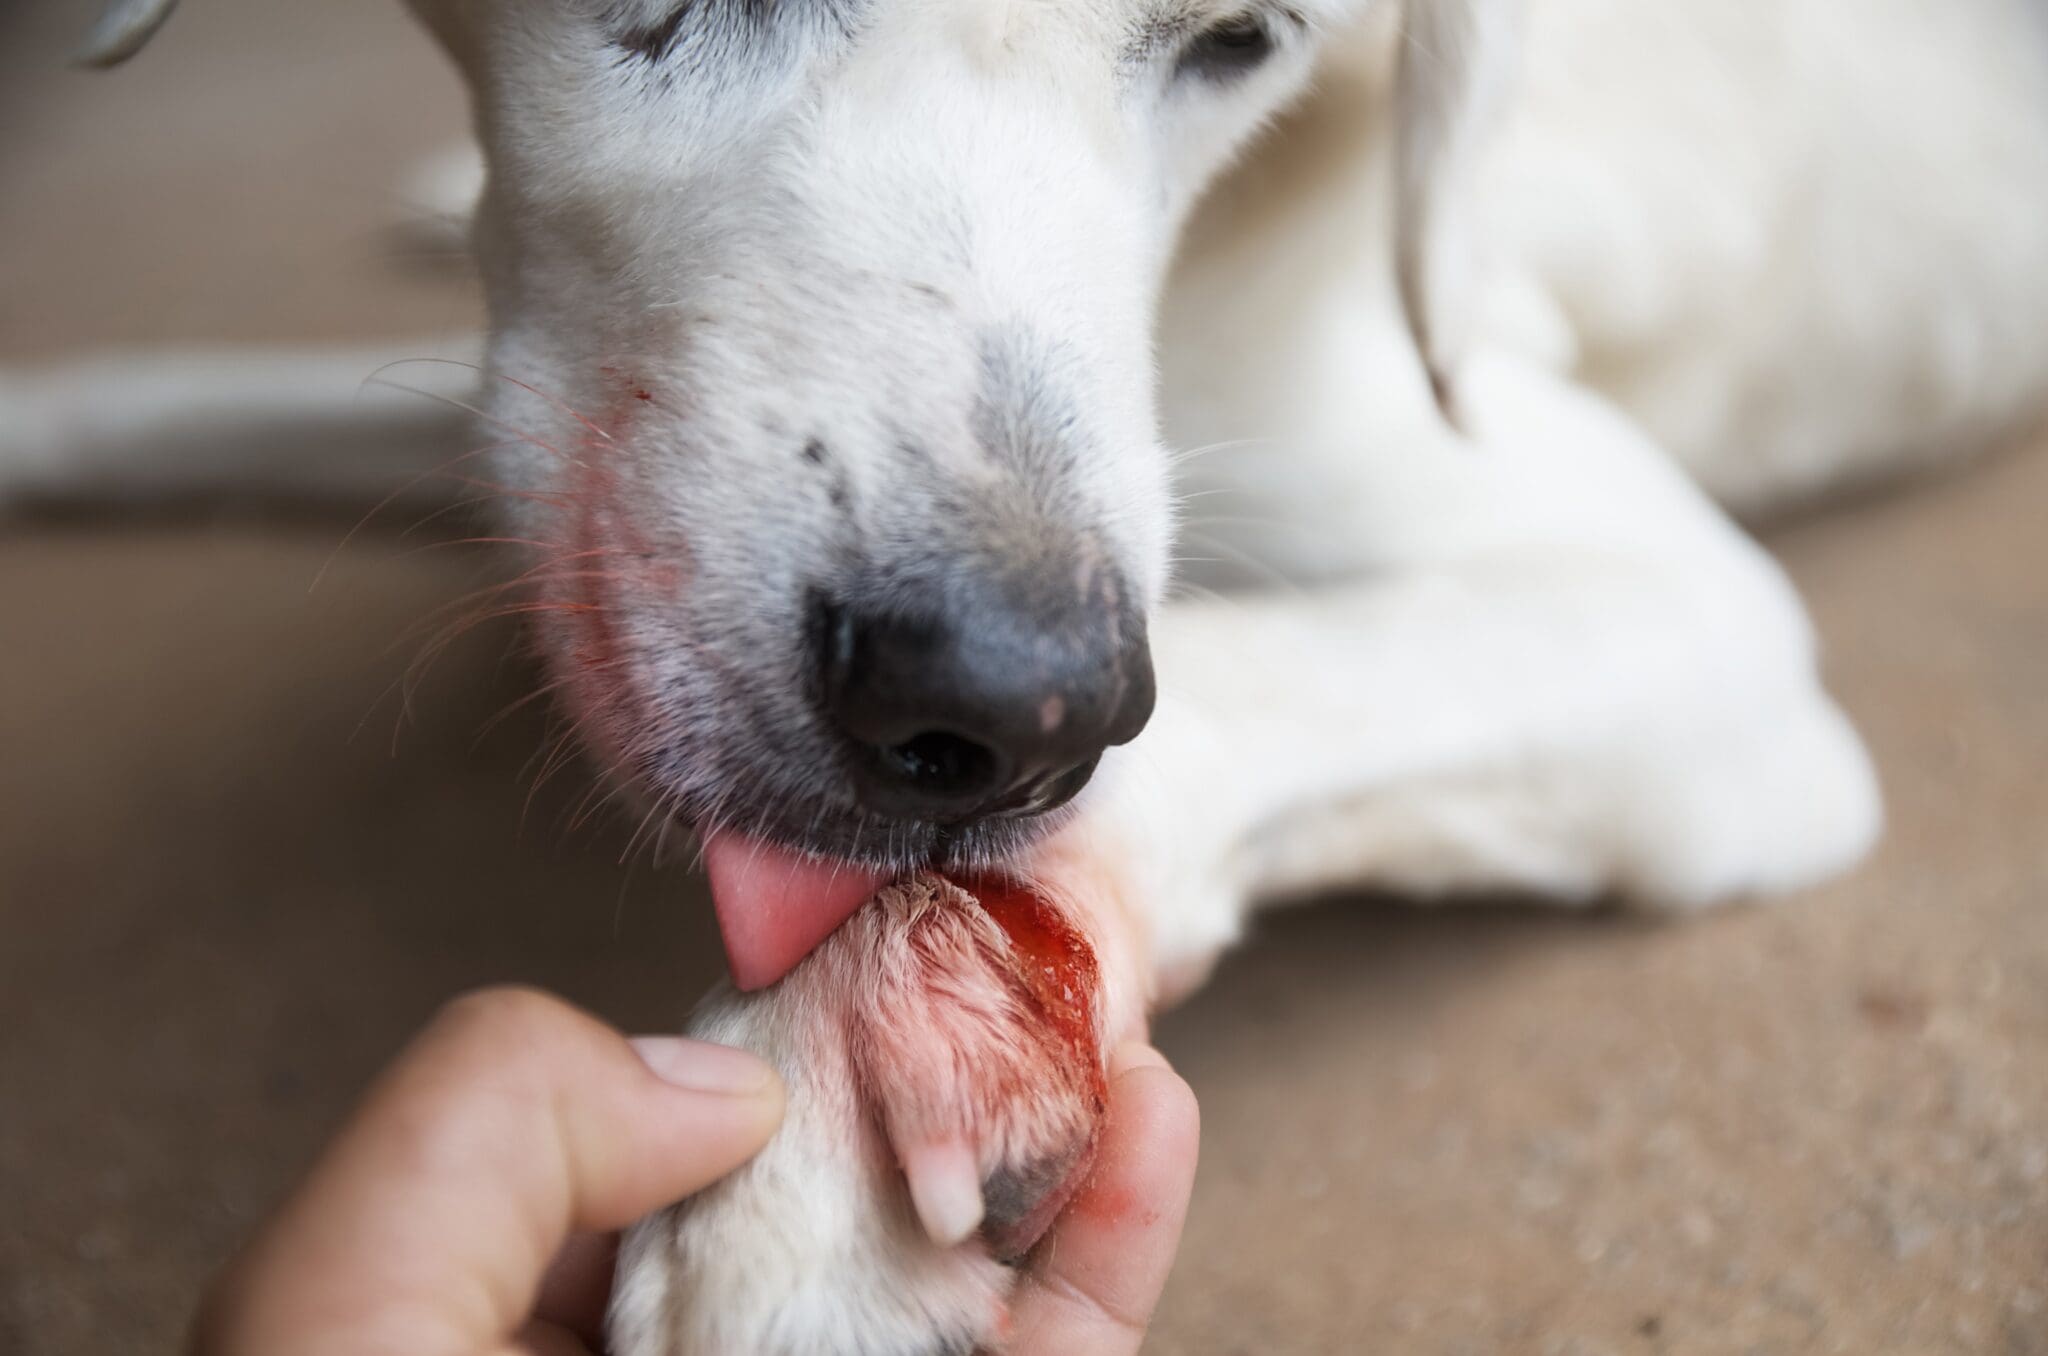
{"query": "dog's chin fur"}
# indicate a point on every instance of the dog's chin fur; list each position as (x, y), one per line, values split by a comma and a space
(893, 845)
(888, 844)
(836, 828)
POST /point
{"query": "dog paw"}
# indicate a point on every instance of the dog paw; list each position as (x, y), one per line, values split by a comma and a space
(944, 1055)
(1784, 800)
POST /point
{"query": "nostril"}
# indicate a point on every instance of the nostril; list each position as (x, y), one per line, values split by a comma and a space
(943, 765)
(1045, 793)
(952, 712)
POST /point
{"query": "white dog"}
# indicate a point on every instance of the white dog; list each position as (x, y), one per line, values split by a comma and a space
(835, 349)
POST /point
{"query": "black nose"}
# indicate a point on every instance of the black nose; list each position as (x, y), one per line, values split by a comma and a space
(978, 707)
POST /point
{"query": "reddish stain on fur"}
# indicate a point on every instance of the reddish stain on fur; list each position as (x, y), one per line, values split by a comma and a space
(1055, 963)
(594, 564)
(1056, 966)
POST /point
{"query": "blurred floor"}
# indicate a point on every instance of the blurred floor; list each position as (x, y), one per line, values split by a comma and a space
(1820, 1126)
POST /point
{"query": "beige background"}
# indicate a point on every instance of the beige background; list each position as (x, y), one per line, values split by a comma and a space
(226, 891)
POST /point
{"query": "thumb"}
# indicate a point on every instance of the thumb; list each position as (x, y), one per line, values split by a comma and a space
(511, 1122)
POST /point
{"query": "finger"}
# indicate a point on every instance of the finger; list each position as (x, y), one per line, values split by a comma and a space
(1092, 1285)
(578, 1286)
(545, 1339)
(514, 1121)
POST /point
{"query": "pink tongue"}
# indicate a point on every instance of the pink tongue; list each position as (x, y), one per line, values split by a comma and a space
(775, 906)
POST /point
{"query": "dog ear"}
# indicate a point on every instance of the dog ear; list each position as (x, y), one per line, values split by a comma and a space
(125, 26)
(1456, 64)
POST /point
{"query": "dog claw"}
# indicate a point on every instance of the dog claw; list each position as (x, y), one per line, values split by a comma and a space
(945, 1189)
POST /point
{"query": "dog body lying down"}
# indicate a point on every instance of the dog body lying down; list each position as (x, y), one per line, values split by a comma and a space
(823, 358)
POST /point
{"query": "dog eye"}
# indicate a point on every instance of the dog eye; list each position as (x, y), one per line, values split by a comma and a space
(1233, 48)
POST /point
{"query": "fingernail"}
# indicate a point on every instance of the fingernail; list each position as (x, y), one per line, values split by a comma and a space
(700, 1066)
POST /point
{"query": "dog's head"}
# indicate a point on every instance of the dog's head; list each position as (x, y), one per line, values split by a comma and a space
(821, 349)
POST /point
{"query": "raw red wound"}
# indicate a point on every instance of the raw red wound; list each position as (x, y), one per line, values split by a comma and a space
(1056, 967)
(1055, 963)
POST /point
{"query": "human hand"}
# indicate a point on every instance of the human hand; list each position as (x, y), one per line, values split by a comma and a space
(467, 1207)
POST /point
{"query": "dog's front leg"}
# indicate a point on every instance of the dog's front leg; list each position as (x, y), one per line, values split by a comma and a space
(945, 1054)
(1573, 678)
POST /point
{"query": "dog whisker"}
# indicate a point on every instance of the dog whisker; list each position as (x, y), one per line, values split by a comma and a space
(520, 436)
(1185, 456)
(560, 405)
(381, 505)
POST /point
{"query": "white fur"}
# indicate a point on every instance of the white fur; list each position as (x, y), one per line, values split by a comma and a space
(1742, 252)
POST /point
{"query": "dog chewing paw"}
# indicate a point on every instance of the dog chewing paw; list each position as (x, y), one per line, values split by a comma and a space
(944, 1057)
